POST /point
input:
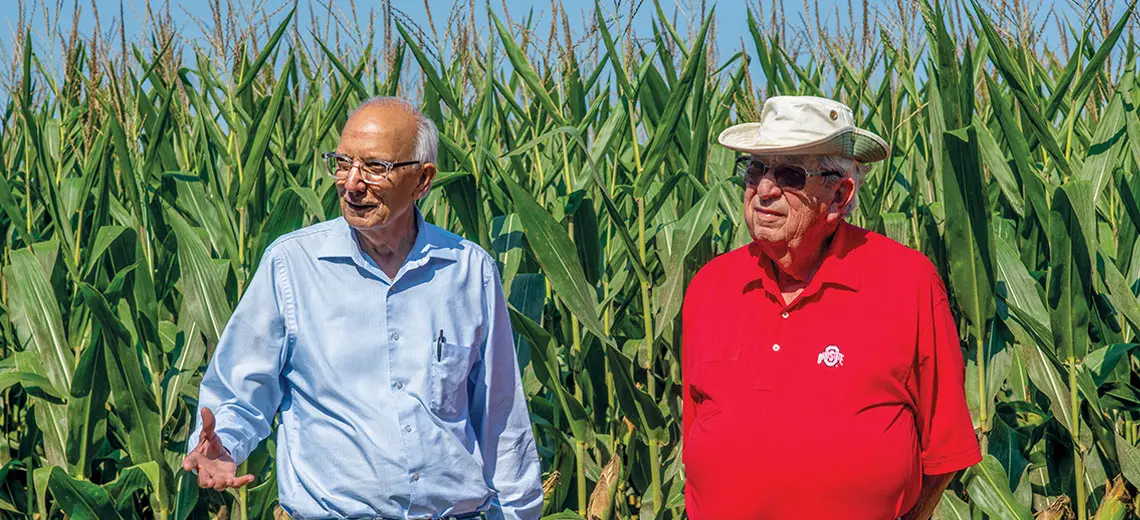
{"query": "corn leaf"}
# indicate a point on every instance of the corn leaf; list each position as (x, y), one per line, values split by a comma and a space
(988, 487)
(556, 254)
(1070, 283)
(206, 302)
(36, 315)
(87, 410)
(968, 235)
(251, 72)
(80, 500)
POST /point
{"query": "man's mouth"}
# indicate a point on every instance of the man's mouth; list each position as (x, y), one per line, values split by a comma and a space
(768, 212)
(359, 207)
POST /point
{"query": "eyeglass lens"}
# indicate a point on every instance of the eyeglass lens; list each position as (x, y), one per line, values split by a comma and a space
(339, 167)
(786, 176)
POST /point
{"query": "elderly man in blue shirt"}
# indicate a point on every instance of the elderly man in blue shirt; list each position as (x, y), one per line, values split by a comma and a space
(385, 344)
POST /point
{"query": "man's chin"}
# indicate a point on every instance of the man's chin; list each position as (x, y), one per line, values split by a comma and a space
(767, 233)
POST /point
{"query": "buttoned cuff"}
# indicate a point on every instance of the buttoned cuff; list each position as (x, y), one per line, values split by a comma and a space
(236, 448)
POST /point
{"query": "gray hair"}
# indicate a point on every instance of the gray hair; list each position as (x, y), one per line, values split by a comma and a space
(850, 168)
(426, 143)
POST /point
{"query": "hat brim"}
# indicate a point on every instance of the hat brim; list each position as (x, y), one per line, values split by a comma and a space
(862, 145)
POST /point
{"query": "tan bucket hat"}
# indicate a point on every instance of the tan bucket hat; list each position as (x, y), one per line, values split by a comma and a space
(806, 125)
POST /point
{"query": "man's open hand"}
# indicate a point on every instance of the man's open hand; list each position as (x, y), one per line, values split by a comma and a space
(216, 468)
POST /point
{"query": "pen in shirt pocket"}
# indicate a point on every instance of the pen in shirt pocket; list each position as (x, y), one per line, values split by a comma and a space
(439, 347)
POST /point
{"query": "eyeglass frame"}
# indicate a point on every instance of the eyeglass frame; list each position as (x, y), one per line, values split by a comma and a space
(768, 167)
(361, 164)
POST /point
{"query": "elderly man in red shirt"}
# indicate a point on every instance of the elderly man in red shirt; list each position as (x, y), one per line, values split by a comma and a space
(823, 376)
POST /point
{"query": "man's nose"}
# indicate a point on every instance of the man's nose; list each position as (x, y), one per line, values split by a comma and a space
(767, 187)
(355, 180)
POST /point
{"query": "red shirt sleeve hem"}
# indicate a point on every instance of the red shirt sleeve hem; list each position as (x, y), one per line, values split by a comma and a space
(952, 463)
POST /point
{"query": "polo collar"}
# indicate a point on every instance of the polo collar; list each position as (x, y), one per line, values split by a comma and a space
(833, 270)
(430, 243)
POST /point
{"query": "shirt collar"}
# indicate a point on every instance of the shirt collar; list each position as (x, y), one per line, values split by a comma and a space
(430, 243)
(835, 269)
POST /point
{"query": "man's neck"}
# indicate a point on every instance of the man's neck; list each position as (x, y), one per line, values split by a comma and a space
(798, 260)
(389, 247)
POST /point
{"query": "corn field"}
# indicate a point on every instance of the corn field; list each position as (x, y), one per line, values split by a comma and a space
(139, 188)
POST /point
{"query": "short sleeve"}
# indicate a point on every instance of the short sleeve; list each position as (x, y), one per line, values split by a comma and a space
(946, 431)
(692, 309)
(690, 323)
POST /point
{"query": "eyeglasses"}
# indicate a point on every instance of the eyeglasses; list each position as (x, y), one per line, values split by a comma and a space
(372, 171)
(787, 176)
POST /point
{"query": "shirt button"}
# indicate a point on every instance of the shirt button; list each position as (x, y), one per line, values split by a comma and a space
(408, 429)
(395, 336)
(784, 315)
(399, 386)
(415, 476)
(776, 347)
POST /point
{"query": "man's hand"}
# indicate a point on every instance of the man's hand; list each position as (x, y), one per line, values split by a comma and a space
(216, 468)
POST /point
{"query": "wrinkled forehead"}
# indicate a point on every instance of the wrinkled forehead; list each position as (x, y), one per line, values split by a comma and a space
(808, 162)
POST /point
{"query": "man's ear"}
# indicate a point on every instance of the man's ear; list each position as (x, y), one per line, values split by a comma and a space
(427, 176)
(844, 194)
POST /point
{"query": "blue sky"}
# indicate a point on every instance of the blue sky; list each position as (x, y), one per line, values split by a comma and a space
(731, 26)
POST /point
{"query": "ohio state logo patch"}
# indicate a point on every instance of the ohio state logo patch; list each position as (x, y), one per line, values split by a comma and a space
(831, 356)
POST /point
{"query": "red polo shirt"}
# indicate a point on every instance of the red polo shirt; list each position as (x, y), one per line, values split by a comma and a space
(833, 406)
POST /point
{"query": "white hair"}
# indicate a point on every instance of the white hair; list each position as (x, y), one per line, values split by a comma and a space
(426, 142)
(850, 168)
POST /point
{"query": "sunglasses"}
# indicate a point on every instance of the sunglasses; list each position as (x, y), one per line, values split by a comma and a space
(787, 176)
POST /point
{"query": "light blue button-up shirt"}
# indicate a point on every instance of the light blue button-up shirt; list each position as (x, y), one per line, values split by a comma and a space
(379, 417)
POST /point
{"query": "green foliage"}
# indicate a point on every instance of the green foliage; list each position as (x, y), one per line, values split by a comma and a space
(135, 206)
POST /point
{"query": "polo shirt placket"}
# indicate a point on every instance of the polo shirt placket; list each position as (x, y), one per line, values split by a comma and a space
(777, 338)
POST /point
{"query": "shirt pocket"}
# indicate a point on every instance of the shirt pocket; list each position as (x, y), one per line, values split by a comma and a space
(450, 368)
